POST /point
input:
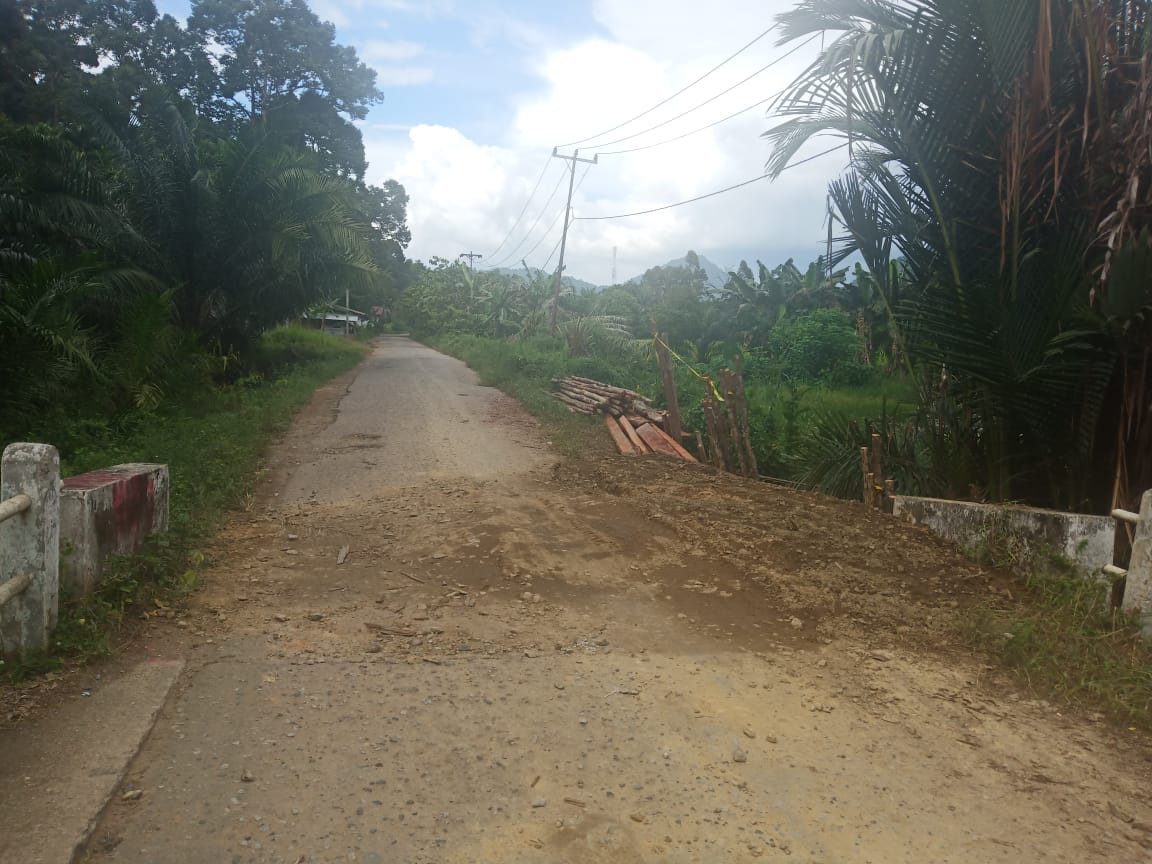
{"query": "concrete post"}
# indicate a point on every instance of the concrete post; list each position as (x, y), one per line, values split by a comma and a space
(1138, 586)
(30, 544)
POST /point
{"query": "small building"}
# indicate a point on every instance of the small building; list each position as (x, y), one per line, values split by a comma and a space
(335, 323)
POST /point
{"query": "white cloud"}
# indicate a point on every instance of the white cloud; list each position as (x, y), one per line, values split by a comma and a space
(466, 194)
(388, 51)
(403, 76)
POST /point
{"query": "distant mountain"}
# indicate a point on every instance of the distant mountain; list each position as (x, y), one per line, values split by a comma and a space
(715, 277)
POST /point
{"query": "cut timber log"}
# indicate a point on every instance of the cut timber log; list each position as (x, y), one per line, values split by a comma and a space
(579, 407)
(677, 448)
(653, 436)
(619, 438)
(636, 440)
(630, 394)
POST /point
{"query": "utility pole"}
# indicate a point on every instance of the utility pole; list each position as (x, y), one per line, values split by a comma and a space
(573, 159)
(613, 265)
(471, 256)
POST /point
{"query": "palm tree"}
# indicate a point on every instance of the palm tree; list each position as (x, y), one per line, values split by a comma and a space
(975, 131)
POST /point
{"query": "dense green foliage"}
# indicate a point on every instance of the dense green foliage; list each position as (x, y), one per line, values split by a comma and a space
(998, 192)
(167, 194)
(798, 334)
(212, 442)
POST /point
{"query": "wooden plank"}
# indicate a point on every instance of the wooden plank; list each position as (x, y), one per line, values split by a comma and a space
(676, 447)
(651, 435)
(637, 441)
(623, 445)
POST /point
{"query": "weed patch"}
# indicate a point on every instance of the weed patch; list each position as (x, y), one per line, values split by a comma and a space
(212, 442)
(1064, 641)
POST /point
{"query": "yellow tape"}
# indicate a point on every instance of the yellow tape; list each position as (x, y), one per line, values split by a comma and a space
(707, 379)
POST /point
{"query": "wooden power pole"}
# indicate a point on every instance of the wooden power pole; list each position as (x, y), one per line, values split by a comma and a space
(573, 159)
(471, 256)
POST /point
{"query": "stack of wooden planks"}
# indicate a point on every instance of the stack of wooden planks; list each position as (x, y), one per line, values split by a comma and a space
(635, 426)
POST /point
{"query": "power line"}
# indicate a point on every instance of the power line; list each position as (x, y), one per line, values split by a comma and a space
(687, 134)
(674, 95)
(739, 83)
(524, 210)
(511, 255)
(710, 194)
(670, 206)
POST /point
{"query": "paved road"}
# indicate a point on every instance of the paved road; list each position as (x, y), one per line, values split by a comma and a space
(515, 663)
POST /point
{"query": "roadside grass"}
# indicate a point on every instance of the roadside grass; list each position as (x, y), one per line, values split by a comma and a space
(212, 442)
(1059, 637)
(1062, 640)
(524, 370)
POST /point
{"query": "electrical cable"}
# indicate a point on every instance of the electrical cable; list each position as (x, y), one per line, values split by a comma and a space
(674, 95)
(523, 210)
(708, 195)
(739, 83)
(686, 134)
(512, 254)
(670, 206)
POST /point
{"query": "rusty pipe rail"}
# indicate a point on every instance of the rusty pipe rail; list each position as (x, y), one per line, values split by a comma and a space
(13, 587)
(10, 507)
(14, 506)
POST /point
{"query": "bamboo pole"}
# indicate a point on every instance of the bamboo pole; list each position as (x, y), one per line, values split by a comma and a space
(701, 453)
(864, 472)
(672, 425)
(745, 426)
(717, 433)
(734, 425)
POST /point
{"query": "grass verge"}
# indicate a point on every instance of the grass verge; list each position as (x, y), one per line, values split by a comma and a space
(212, 442)
(1064, 641)
(524, 370)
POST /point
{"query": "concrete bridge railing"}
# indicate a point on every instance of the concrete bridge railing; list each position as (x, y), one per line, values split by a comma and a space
(29, 547)
(89, 517)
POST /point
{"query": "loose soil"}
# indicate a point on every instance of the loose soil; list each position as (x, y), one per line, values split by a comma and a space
(614, 659)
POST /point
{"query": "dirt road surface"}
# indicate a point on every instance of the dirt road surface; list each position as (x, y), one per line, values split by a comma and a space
(527, 659)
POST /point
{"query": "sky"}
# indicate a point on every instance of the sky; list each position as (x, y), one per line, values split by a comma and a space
(477, 93)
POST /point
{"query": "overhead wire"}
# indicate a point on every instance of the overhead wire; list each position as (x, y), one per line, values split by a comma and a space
(683, 89)
(709, 101)
(509, 256)
(686, 134)
(749, 182)
(523, 210)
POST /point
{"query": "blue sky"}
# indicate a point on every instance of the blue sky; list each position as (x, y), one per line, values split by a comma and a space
(477, 92)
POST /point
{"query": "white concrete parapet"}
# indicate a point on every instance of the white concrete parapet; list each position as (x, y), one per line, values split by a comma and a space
(1026, 532)
(109, 512)
(29, 547)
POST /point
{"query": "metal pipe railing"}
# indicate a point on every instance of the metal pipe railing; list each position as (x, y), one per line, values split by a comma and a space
(14, 506)
(13, 587)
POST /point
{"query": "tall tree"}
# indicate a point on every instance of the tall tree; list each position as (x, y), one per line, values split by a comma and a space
(280, 65)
